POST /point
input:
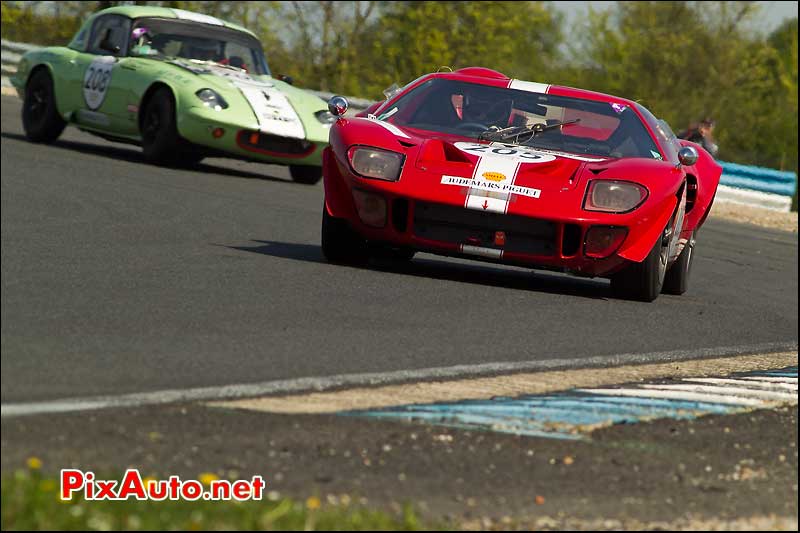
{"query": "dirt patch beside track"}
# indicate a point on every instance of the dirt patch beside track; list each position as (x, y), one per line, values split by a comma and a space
(746, 214)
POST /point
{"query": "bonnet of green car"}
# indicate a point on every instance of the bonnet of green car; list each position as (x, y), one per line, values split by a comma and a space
(223, 79)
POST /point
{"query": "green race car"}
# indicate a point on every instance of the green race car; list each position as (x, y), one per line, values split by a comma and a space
(180, 84)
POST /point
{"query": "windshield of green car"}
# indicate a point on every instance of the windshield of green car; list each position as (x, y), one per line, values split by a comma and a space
(203, 42)
(565, 124)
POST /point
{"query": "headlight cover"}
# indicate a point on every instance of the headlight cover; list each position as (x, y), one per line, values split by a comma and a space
(614, 196)
(376, 163)
(326, 117)
(212, 99)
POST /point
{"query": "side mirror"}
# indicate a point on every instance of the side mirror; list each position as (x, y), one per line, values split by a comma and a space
(286, 79)
(338, 105)
(688, 156)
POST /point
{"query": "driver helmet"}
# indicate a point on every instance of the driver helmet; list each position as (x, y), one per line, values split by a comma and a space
(141, 41)
(479, 106)
(203, 50)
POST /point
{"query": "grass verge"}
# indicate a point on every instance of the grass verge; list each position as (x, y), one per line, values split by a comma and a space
(30, 501)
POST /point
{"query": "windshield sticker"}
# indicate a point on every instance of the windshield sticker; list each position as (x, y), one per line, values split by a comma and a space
(96, 81)
(618, 108)
(656, 155)
(388, 114)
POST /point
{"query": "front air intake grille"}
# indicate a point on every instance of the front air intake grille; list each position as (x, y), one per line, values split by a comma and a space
(459, 225)
(400, 215)
(274, 145)
(571, 242)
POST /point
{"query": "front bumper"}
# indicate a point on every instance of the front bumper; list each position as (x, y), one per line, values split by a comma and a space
(542, 241)
(244, 141)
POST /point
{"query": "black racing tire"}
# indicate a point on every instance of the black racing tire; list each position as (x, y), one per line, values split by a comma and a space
(40, 118)
(676, 280)
(395, 255)
(161, 142)
(305, 174)
(191, 158)
(340, 244)
(644, 281)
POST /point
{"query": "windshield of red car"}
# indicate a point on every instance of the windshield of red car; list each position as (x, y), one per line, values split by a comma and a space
(202, 42)
(470, 109)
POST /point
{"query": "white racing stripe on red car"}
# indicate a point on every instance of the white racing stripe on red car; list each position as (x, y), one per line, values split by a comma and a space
(530, 86)
(492, 170)
(391, 127)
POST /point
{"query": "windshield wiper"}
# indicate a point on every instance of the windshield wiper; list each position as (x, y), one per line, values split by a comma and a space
(515, 132)
(539, 127)
(502, 134)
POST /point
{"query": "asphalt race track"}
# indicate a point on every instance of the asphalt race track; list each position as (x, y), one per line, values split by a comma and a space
(122, 277)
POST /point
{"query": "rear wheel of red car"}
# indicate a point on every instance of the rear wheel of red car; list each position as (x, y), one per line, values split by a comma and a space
(40, 117)
(305, 174)
(161, 143)
(340, 244)
(643, 281)
(677, 279)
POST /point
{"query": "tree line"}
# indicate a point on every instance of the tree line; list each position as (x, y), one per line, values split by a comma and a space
(682, 60)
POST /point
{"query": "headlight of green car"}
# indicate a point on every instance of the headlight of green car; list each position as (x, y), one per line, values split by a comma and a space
(212, 99)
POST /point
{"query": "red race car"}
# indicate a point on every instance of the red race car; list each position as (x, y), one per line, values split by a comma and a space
(473, 164)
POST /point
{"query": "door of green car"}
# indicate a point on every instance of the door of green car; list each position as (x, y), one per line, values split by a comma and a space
(105, 74)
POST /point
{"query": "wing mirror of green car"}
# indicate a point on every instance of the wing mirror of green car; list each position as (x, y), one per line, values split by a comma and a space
(286, 79)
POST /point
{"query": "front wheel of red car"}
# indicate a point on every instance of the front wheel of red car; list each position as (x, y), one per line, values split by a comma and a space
(340, 244)
(40, 117)
(677, 279)
(305, 174)
(644, 281)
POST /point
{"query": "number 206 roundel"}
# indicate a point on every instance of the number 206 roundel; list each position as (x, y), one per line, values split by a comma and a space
(96, 81)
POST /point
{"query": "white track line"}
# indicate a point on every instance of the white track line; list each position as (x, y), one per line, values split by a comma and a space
(748, 384)
(727, 391)
(678, 395)
(299, 385)
(770, 379)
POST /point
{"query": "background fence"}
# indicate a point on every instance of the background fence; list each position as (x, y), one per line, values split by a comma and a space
(763, 187)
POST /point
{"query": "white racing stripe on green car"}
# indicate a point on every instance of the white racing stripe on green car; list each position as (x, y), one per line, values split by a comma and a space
(275, 114)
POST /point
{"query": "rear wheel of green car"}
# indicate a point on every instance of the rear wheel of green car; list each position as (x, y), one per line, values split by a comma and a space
(40, 117)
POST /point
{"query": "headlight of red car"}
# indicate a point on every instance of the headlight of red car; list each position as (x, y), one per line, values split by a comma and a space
(613, 196)
(376, 163)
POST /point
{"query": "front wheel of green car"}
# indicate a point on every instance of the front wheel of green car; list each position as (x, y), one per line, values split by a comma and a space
(160, 140)
(40, 117)
(305, 174)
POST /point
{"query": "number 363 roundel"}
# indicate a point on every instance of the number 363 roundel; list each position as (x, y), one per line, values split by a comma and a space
(96, 81)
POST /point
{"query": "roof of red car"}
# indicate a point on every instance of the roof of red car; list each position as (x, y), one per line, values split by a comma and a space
(494, 78)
